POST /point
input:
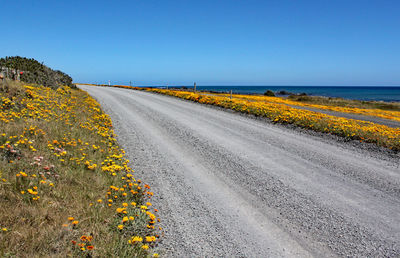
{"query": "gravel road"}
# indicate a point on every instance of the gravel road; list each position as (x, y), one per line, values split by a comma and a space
(230, 185)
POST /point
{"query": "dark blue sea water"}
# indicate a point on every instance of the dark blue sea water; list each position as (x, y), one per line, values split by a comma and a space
(359, 92)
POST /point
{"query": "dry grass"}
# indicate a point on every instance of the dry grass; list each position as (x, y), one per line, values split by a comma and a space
(65, 148)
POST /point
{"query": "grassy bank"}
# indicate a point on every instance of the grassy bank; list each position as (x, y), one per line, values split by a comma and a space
(65, 187)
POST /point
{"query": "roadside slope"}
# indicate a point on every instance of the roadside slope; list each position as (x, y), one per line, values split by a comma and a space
(231, 185)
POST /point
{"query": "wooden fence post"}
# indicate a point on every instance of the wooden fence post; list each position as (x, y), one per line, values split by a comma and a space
(2, 81)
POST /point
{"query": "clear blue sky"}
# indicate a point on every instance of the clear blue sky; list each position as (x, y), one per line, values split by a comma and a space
(218, 42)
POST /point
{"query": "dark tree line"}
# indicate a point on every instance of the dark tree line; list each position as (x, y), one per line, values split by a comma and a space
(35, 72)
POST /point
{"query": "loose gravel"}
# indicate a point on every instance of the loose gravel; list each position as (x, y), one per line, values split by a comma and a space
(230, 185)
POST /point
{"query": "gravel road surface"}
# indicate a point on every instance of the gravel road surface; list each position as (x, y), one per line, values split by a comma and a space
(230, 185)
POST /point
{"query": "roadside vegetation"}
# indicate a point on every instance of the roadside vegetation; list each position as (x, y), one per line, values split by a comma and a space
(66, 188)
(31, 71)
(376, 109)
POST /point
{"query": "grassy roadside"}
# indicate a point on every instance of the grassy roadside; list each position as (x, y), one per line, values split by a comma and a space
(65, 187)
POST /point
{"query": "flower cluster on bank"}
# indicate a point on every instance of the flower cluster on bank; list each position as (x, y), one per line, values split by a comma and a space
(66, 187)
(386, 114)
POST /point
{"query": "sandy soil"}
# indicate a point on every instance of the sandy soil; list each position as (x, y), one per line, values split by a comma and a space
(229, 185)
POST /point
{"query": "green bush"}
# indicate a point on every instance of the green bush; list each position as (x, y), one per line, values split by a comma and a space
(269, 93)
(35, 72)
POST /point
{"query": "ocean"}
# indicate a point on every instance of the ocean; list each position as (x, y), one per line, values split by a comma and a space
(360, 92)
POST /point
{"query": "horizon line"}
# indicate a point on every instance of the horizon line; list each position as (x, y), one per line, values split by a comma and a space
(197, 85)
